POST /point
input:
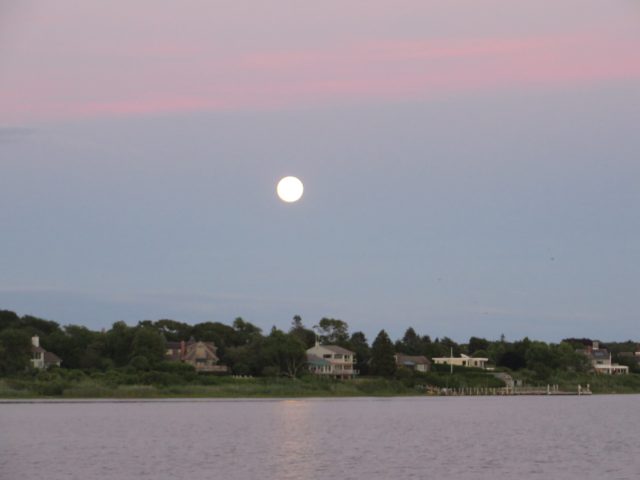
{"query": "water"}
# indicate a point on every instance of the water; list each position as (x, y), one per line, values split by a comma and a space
(400, 438)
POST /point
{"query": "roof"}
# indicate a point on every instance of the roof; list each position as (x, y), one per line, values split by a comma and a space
(463, 357)
(411, 360)
(189, 350)
(195, 350)
(337, 349)
(35, 349)
(600, 353)
(317, 361)
(51, 358)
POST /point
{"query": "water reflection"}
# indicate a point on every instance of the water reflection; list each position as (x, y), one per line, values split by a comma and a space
(293, 440)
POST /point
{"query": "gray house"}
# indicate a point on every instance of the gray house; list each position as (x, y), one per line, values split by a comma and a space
(419, 363)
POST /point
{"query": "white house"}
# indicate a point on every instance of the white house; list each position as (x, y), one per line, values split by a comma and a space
(40, 358)
(462, 361)
(331, 361)
(600, 359)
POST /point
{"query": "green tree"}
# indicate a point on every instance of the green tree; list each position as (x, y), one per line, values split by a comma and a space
(70, 344)
(333, 331)
(411, 343)
(38, 326)
(540, 359)
(9, 319)
(118, 343)
(174, 331)
(286, 352)
(476, 344)
(95, 356)
(511, 359)
(448, 345)
(382, 356)
(149, 344)
(359, 345)
(15, 350)
(247, 359)
(246, 331)
(305, 335)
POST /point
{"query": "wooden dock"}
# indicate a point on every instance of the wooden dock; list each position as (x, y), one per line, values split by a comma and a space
(550, 390)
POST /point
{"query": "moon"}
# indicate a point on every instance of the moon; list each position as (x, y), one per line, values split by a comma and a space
(290, 189)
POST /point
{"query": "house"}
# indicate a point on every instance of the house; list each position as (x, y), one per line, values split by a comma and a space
(331, 361)
(201, 355)
(600, 359)
(462, 361)
(419, 363)
(40, 358)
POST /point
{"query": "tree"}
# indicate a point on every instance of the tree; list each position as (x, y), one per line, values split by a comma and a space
(512, 360)
(118, 343)
(359, 345)
(70, 344)
(172, 330)
(383, 362)
(149, 344)
(222, 335)
(9, 319)
(570, 360)
(540, 359)
(448, 345)
(286, 352)
(247, 359)
(246, 330)
(38, 326)
(15, 350)
(333, 331)
(476, 344)
(298, 330)
(411, 343)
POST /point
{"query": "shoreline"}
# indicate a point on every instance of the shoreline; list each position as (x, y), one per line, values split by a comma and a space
(436, 385)
(223, 398)
(123, 400)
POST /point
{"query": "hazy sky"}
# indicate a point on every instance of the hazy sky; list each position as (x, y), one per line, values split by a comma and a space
(471, 167)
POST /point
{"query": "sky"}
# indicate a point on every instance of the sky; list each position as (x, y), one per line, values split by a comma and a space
(471, 167)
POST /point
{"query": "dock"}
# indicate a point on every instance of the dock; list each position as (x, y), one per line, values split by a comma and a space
(549, 390)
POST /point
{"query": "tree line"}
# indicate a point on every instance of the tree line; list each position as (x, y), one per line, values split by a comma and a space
(247, 350)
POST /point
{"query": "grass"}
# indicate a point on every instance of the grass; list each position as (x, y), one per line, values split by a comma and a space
(222, 388)
(85, 386)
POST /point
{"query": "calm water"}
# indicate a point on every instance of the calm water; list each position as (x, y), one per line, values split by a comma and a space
(400, 438)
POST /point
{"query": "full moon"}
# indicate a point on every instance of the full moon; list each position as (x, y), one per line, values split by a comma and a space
(290, 189)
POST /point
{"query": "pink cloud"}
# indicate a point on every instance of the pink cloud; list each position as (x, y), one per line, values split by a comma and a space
(160, 78)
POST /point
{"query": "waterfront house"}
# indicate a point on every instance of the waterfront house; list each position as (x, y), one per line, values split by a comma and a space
(600, 359)
(201, 355)
(331, 361)
(419, 363)
(41, 358)
(462, 361)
